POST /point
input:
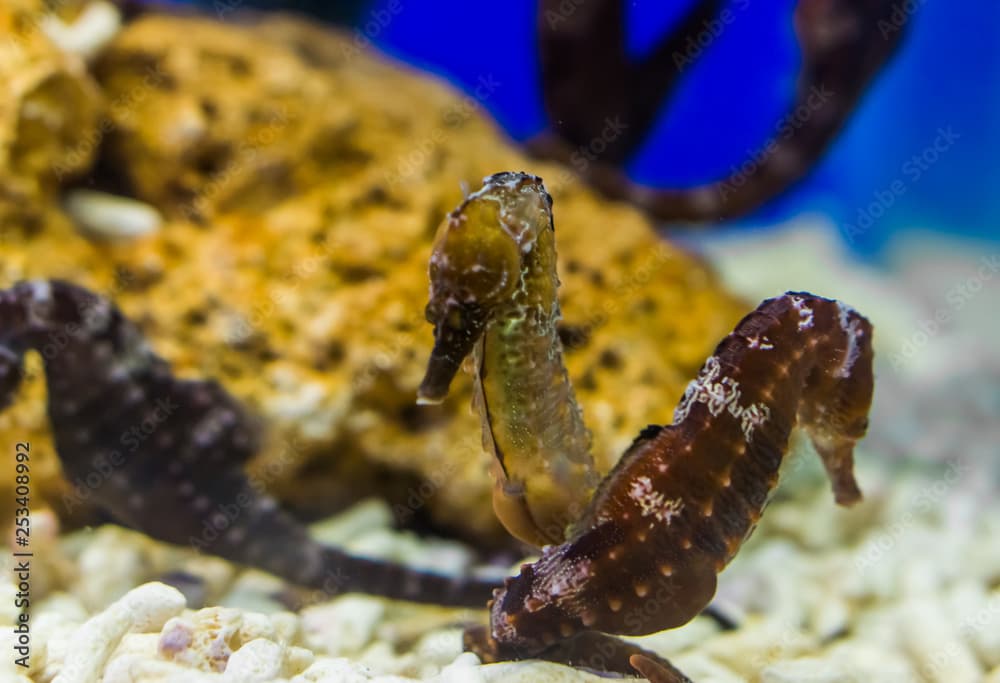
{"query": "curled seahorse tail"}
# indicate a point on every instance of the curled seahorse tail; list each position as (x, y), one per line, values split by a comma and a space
(804, 361)
(268, 537)
(838, 391)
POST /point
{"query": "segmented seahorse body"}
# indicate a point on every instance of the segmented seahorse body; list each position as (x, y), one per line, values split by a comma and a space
(684, 497)
(165, 456)
(493, 295)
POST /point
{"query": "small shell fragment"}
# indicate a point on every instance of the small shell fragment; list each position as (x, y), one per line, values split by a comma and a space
(111, 216)
(94, 28)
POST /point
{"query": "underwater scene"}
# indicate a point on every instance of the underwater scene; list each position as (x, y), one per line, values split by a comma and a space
(553, 341)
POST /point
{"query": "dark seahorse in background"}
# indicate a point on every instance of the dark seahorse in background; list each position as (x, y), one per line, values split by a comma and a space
(594, 91)
(104, 381)
(644, 554)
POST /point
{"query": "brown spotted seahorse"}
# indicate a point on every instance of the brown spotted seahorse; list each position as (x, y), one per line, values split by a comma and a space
(184, 484)
(645, 553)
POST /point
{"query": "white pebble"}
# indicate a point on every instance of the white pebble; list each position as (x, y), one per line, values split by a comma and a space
(528, 672)
(380, 657)
(110, 216)
(343, 626)
(757, 644)
(54, 622)
(873, 662)
(286, 626)
(878, 625)
(141, 644)
(327, 670)
(438, 648)
(255, 625)
(830, 617)
(297, 660)
(464, 669)
(806, 670)
(979, 623)
(140, 669)
(141, 610)
(257, 661)
(935, 645)
(201, 640)
(150, 606)
(109, 564)
(704, 669)
(675, 640)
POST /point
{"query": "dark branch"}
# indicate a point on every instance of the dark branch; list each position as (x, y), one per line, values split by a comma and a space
(845, 44)
(591, 89)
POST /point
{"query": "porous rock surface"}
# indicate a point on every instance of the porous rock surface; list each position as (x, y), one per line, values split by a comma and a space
(48, 117)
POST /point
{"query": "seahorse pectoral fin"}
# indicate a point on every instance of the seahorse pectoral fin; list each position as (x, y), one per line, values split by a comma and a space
(457, 327)
(837, 400)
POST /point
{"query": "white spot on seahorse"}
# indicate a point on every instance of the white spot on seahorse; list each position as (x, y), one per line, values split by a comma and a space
(759, 341)
(654, 502)
(40, 304)
(567, 580)
(852, 328)
(805, 313)
(41, 290)
(751, 417)
(696, 391)
(720, 394)
(97, 316)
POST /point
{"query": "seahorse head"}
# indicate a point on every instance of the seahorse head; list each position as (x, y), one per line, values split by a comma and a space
(481, 254)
